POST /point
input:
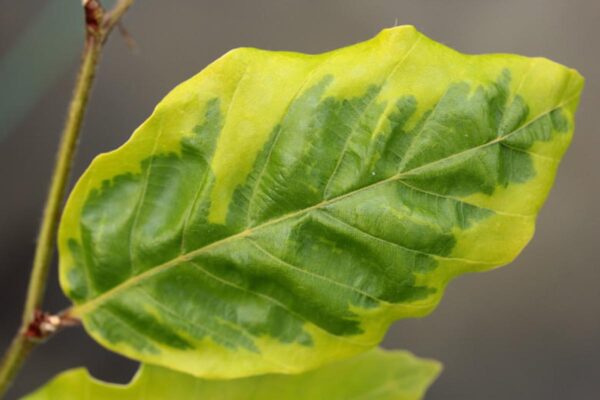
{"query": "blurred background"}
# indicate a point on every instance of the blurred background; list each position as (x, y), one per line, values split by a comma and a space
(530, 330)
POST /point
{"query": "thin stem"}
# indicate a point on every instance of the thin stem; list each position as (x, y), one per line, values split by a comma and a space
(12, 361)
(64, 162)
(113, 17)
(98, 26)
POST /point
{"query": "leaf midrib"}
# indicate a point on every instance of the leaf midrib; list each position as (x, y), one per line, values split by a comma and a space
(82, 309)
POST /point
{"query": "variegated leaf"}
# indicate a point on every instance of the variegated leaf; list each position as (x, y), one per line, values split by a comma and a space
(279, 211)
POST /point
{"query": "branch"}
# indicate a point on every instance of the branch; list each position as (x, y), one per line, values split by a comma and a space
(98, 25)
(113, 17)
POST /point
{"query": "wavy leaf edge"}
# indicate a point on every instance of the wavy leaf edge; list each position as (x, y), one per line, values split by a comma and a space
(469, 227)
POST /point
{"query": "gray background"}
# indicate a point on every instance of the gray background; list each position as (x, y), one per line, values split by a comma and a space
(530, 330)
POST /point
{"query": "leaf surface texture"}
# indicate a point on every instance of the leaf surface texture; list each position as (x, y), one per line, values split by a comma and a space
(279, 211)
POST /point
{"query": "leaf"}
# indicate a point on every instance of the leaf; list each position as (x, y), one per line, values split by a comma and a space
(374, 375)
(279, 211)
